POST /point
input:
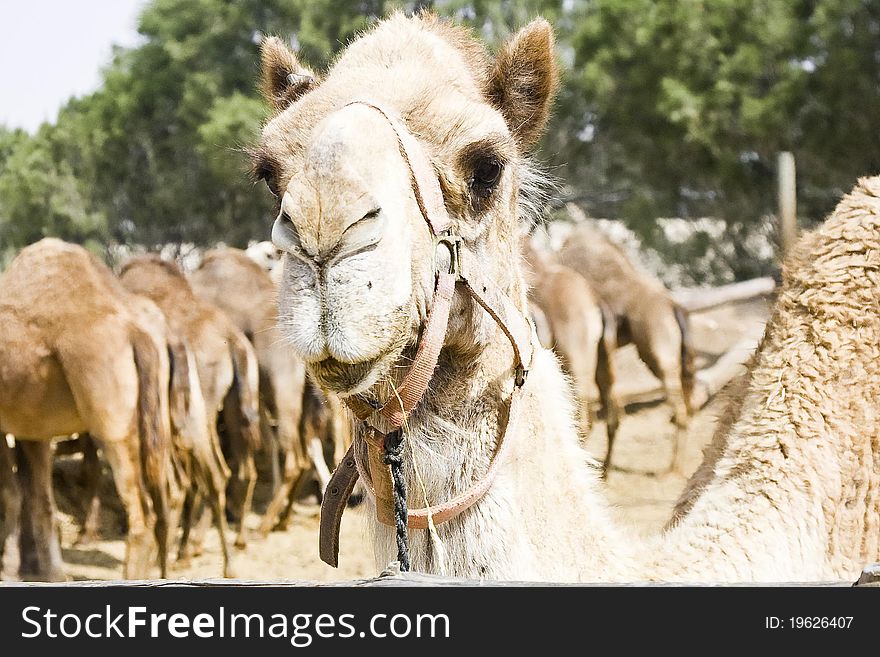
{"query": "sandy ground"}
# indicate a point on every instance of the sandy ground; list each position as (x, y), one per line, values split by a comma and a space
(639, 484)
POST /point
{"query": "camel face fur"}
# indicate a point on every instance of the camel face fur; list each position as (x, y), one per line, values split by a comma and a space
(358, 269)
(791, 492)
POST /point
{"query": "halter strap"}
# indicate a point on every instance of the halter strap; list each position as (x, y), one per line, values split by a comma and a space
(389, 417)
(425, 184)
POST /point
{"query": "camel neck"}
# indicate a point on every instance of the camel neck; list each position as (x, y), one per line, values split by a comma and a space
(543, 508)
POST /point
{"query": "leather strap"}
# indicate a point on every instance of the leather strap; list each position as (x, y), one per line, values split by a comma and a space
(440, 513)
(416, 381)
(425, 185)
(393, 413)
(346, 475)
(500, 308)
(333, 505)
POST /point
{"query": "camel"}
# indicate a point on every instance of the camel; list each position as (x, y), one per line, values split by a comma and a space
(74, 357)
(235, 283)
(583, 335)
(190, 440)
(225, 362)
(645, 313)
(795, 493)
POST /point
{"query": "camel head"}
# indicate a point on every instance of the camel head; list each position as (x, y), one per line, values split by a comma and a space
(359, 258)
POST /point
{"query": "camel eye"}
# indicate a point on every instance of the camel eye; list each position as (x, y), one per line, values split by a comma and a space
(486, 174)
(266, 172)
(269, 178)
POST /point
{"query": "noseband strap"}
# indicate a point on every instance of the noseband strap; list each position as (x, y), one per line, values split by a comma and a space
(381, 421)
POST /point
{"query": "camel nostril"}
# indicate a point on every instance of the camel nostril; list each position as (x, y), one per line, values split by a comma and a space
(285, 236)
(362, 234)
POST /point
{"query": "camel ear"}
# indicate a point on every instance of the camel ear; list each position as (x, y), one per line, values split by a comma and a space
(524, 79)
(282, 79)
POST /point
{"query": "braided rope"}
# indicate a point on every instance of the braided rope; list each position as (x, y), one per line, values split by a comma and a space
(394, 457)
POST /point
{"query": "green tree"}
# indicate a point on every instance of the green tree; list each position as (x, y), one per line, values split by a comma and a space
(40, 197)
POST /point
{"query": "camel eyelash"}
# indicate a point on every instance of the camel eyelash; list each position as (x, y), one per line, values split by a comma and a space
(264, 170)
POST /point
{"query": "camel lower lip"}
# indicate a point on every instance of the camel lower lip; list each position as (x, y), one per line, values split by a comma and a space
(342, 377)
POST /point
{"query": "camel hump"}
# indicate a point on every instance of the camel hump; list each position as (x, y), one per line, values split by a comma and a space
(220, 268)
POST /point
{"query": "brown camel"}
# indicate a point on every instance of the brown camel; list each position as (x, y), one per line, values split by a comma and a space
(224, 360)
(795, 494)
(232, 281)
(190, 440)
(645, 313)
(75, 358)
(583, 334)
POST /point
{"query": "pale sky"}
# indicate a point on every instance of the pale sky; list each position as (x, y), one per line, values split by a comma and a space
(51, 50)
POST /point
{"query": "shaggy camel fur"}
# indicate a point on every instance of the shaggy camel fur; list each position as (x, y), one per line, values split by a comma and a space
(796, 494)
(74, 357)
(224, 360)
(231, 280)
(583, 335)
(644, 311)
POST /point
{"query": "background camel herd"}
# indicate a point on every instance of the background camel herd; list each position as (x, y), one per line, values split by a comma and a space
(183, 381)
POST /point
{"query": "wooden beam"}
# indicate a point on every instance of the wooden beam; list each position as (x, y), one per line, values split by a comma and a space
(710, 380)
(390, 578)
(697, 299)
(787, 201)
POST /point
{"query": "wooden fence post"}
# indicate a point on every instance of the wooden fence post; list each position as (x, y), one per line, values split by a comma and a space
(787, 201)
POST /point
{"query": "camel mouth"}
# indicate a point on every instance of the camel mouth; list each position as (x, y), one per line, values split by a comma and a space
(348, 378)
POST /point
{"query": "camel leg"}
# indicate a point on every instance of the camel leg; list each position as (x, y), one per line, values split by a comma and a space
(190, 515)
(295, 491)
(211, 475)
(125, 466)
(91, 475)
(178, 485)
(663, 358)
(270, 444)
(250, 478)
(316, 456)
(275, 463)
(675, 396)
(286, 389)
(609, 400)
(11, 501)
(35, 473)
(241, 459)
(293, 474)
(217, 501)
(10, 498)
(28, 559)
